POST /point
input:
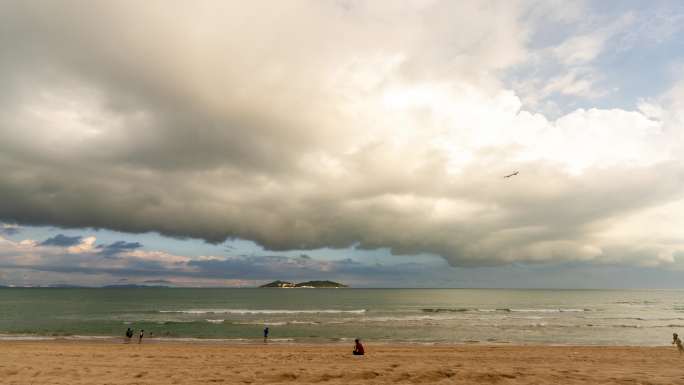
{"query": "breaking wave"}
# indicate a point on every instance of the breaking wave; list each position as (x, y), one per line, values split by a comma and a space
(504, 310)
(264, 311)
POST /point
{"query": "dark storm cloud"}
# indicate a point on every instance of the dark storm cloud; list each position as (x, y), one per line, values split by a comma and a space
(142, 270)
(118, 247)
(260, 267)
(62, 240)
(54, 259)
(225, 120)
(297, 268)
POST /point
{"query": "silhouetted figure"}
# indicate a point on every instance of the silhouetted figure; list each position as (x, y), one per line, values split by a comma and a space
(140, 337)
(265, 334)
(678, 342)
(129, 335)
(358, 348)
(512, 174)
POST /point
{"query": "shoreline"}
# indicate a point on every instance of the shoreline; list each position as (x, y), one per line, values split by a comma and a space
(115, 340)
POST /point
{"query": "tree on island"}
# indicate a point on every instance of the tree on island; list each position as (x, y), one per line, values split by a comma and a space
(307, 284)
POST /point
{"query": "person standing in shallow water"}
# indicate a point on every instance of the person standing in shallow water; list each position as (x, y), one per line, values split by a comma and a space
(140, 337)
(129, 335)
(265, 334)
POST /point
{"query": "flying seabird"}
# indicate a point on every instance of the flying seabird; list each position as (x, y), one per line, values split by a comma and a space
(510, 175)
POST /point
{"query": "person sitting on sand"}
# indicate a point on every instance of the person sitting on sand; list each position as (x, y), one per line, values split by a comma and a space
(142, 334)
(358, 348)
(678, 342)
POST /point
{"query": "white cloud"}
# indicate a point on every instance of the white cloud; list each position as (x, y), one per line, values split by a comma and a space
(570, 68)
(580, 49)
(576, 82)
(84, 246)
(307, 125)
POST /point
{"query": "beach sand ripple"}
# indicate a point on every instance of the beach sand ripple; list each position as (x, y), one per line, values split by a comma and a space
(86, 362)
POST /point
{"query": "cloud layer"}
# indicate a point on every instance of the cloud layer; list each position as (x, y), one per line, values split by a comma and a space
(86, 263)
(327, 124)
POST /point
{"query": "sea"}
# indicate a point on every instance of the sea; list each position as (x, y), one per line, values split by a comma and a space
(414, 316)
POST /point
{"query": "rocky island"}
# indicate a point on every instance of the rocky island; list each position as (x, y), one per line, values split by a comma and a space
(307, 284)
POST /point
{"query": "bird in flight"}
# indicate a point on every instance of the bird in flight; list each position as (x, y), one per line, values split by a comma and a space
(510, 175)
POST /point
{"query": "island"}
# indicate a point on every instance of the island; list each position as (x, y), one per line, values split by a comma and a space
(134, 286)
(307, 284)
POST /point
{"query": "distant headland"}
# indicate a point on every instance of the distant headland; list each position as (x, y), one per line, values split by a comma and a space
(307, 284)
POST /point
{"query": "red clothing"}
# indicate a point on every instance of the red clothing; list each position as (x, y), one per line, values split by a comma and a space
(358, 349)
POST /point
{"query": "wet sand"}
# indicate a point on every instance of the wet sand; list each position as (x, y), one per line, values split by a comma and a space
(88, 362)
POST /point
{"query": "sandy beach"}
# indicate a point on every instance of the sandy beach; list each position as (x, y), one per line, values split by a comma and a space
(85, 362)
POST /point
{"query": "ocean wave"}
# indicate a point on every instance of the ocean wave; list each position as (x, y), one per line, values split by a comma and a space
(264, 323)
(339, 321)
(37, 337)
(630, 326)
(303, 322)
(448, 310)
(264, 311)
(404, 319)
(160, 322)
(10, 337)
(278, 323)
(636, 302)
(558, 310)
(215, 321)
(633, 326)
(505, 310)
(638, 318)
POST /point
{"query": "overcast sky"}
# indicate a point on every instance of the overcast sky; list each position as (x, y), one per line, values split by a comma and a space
(232, 143)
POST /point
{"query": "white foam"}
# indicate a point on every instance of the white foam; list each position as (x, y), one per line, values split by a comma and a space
(517, 310)
(264, 311)
(261, 323)
(559, 310)
(28, 337)
(408, 318)
(7, 337)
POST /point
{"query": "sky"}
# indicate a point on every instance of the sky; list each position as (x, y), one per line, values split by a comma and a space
(231, 143)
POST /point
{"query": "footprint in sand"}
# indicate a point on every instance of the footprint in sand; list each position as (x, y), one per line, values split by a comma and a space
(286, 377)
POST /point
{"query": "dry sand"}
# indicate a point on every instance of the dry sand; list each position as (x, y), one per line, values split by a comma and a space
(68, 362)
